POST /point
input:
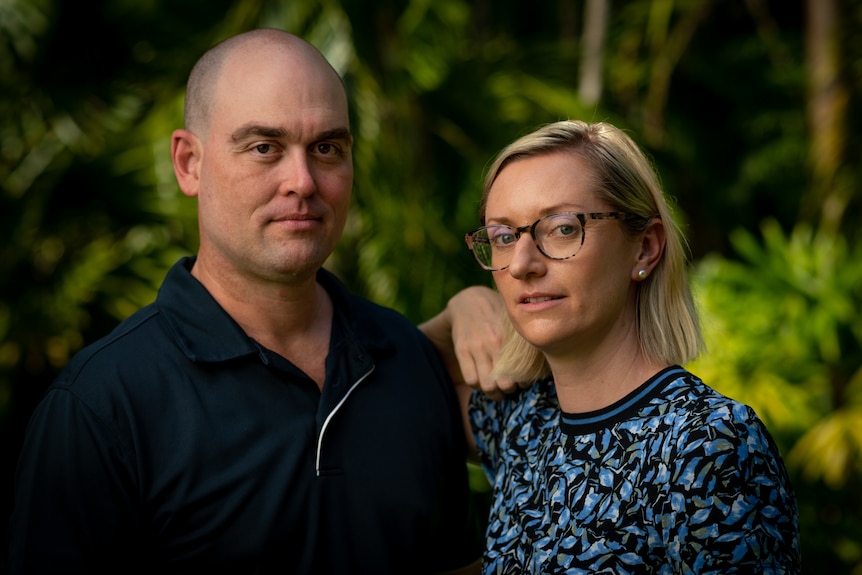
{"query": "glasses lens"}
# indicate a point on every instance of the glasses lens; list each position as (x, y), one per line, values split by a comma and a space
(481, 244)
(560, 236)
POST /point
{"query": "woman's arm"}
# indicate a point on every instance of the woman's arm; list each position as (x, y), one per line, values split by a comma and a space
(468, 335)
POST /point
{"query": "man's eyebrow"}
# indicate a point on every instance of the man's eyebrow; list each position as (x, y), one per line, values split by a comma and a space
(336, 134)
(261, 131)
(257, 131)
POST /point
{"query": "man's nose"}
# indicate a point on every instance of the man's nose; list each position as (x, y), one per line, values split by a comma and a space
(297, 175)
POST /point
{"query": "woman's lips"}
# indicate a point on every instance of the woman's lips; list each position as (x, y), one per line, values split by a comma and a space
(538, 302)
(536, 299)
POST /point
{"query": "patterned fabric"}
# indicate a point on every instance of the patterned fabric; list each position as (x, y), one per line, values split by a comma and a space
(674, 478)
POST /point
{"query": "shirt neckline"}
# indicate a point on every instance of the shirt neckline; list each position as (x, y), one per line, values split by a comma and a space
(580, 423)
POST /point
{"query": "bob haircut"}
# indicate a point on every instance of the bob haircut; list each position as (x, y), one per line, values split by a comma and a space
(667, 324)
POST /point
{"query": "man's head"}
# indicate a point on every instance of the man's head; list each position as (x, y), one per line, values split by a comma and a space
(202, 79)
(267, 152)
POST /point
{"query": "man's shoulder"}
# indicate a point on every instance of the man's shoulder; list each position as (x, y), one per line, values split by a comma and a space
(367, 310)
(365, 314)
(128, 344)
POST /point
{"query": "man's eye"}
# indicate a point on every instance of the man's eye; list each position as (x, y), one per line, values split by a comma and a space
(263, 148)
(327, 149)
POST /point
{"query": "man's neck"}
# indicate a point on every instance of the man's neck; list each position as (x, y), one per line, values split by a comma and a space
(292, 319)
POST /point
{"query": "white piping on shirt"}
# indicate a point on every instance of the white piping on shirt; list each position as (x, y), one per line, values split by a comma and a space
(329, 417)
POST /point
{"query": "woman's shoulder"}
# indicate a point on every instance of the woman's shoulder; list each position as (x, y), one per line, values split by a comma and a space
(713, 422)
(688, 394)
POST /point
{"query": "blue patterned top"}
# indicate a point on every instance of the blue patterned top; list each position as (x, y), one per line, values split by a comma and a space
(673, 478)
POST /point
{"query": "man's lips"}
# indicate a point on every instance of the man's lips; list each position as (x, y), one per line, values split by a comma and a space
(295, 217)
(296, 223)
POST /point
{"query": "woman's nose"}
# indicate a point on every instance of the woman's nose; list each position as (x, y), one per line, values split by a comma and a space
(526, 258)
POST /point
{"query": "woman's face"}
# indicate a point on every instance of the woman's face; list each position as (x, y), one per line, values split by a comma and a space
(581, 305)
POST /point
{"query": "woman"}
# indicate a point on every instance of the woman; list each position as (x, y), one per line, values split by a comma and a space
(617, 460)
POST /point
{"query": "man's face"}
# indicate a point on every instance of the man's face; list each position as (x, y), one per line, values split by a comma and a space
(276, 168)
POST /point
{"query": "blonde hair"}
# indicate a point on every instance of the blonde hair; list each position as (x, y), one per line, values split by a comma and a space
(667, 323)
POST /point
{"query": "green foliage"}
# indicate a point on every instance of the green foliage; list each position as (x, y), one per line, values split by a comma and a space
(779, 316)
(427, 122)
(91, 217)
(784, 326)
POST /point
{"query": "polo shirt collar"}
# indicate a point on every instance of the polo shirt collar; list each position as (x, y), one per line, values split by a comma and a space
(199, 325)
(206, 333)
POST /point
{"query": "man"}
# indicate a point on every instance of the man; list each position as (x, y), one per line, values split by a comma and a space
(257, 417)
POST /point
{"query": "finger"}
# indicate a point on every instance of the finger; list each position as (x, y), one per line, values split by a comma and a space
(467, 365)
(507, 386)
(490, 389)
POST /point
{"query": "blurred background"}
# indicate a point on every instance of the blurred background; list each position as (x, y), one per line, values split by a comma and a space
(750, 110)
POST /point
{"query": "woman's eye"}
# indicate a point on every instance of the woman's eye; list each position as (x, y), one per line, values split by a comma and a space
(565, 230)
(560, 228)
(504, 239)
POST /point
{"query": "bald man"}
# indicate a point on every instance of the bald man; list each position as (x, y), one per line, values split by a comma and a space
(257, 417)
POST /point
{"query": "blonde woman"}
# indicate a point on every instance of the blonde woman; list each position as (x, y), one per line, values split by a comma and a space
(617, 459)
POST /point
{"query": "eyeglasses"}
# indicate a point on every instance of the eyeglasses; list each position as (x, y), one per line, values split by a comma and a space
(558, 236)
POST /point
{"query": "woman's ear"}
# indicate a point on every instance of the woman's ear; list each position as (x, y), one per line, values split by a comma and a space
(186, 153)
(651, 249)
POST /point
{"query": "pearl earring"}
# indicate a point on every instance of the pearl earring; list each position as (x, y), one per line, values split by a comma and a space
(642, 275)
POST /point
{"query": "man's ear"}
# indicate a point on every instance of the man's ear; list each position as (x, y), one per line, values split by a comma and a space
(652, 248)
(186, 154)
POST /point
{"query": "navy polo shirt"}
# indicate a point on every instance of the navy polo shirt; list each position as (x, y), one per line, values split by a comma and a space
(177, 444)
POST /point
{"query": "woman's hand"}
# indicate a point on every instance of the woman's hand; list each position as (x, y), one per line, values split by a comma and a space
(468, 334)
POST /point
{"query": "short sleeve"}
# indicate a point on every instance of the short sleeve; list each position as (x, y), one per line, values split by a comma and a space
(733, 508)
